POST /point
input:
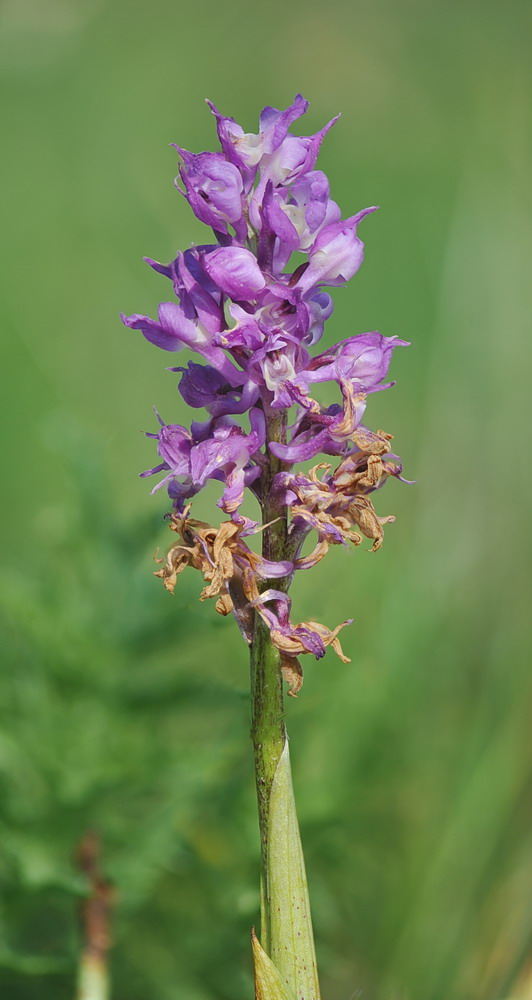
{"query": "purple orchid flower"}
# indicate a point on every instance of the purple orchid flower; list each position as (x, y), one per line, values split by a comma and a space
(297, 213)
(336, 254)
(364, 359)
(202, 385)
(253, 317)
(172, 331)
(217, 449)
(246, 150)
(293, 158)
(213, 189)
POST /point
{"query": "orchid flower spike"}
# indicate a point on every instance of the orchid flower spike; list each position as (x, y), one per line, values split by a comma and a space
(252, 303)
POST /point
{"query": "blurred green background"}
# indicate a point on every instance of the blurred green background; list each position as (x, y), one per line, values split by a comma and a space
(126, 710)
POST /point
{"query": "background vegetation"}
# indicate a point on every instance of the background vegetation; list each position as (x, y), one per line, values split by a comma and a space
(124, 709)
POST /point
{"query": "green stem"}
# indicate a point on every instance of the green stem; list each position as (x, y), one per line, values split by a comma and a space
(268, 733)
(285, 910)
(268, 730)
(274, 538)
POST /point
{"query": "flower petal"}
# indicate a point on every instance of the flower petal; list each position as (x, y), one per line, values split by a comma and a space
(236, 272)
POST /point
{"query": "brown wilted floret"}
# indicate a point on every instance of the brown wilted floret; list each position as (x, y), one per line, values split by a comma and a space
(218, 554)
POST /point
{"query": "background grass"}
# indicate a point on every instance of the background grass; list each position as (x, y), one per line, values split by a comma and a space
(126, 710)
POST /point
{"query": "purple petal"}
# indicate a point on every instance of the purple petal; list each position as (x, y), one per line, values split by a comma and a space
(320, 308)
(247, 332)
(152, 472)
(201, 385)
(228, 446)
(365, 358)
(165, 269)
(276, 123)
(305, 446)
(244, 151)
(293, 157)
(314, 143)
(281, 617)
(171, 332)
(275, 570)
(213, 189)
(277, 220)
(236, 272)
(257, 421)
(174, 447)
(336, 254)
(311, 640)
(192, 280)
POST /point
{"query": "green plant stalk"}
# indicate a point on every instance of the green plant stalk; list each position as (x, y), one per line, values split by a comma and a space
(285, 913)
(268, 733)
(268, 730)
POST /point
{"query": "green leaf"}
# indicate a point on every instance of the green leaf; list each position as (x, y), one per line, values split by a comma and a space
(291, 939)
(268, 982)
